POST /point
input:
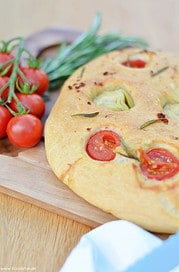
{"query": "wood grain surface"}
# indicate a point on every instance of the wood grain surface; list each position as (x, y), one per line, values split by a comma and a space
(30, 236)
(34, 238)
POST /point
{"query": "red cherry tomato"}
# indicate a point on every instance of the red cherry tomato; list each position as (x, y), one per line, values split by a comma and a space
(159, 164)
(3, 81)
(101, 145)
(35, 77)
(138, 63)
(5, 116)
(5, 56)
(24, 130)
(32, 102)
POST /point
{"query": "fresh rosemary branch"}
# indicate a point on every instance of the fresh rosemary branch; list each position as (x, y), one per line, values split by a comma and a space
(86, 47)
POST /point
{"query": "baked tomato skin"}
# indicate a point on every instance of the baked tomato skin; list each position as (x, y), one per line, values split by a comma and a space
(24, 130)
(100, 146)
(138, 63)
(3, 81)
(5, 56)
(5, 117)
(35, 77)
(159, 164)
(33, 103)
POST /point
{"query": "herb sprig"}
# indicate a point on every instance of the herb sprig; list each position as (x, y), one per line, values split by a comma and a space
(86, 47)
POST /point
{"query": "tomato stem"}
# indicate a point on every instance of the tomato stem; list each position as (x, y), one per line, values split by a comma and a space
(25, 88)
(19, 46)
(4, 87)
(15, 71)
(6, 62)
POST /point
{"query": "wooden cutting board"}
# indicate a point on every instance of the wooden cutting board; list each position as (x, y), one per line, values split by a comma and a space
(26, 174)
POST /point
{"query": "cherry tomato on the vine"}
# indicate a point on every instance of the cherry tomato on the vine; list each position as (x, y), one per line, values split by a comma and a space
(3, 81)
(5, 116)
(5, 56)
(101, 145)
(34, 103)
(159, 164)
(35, 77)
(24, 130)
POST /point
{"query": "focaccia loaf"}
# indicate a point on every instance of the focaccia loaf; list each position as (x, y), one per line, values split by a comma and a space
(113, 136)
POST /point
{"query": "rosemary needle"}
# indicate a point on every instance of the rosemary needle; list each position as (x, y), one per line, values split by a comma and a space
(92, 114)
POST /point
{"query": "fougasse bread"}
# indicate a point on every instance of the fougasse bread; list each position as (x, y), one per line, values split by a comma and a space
(113, 136)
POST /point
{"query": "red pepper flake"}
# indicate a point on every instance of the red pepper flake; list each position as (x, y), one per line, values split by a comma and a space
(82, 84)
(98, 83)
(164, 120)
(105, 73)
(78, 86)
(160, 115)
(88, 129)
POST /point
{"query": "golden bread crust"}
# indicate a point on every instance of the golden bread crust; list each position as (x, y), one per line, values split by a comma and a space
(118, 186)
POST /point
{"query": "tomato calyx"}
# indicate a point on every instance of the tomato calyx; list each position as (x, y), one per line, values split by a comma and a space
(32, 80)
(33, 62)
(5, 46)
(134, 63)
(32, 103)
(23, 85)
(101, 145)
(159, 164)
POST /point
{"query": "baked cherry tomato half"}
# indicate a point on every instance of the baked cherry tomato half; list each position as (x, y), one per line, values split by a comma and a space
(101, 145)
(159, 164)
(24, 130)
(5, 116)
(137, 63)
(5, 56)
(35, 77)
(33, 103)
(3, 81)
